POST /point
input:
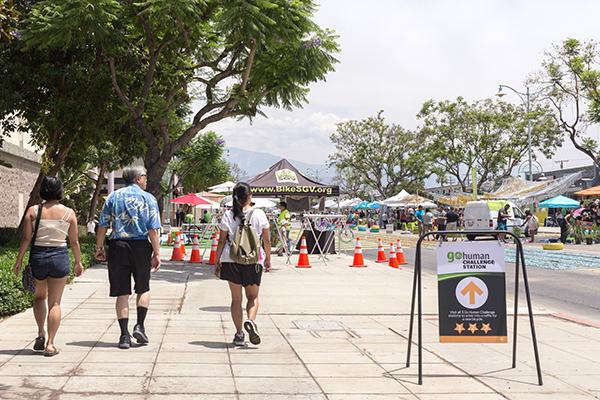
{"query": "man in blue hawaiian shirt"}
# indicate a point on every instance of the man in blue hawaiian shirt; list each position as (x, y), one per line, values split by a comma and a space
(134, 249)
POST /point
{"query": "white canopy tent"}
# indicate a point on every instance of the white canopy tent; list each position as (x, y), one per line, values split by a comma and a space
(396, 198)
(330, 203)
(350, 202)
(225, 187)
(259, 202)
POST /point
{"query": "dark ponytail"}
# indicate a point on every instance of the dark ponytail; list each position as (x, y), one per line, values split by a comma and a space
(241, 192)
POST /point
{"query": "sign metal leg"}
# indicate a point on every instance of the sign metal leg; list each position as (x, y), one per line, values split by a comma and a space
(516, 308)
(530, 309)
(412, 309)
(420, 310)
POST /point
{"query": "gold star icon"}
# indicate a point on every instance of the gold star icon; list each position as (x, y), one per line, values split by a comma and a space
(486, 328)
(473, 328)
(459, 328)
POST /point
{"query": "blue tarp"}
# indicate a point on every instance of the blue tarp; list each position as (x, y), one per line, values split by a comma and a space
(559, 202)
(362, 205)
(373, 205)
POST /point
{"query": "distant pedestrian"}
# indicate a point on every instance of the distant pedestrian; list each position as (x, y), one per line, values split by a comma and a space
(502, 221)
(441, 221)
(133, 249)
(91, 226)
(239, 271)
(452, 218)
(562, 218)
(284, 224)
(419, 214)
(428, 219)
(179, 217)
(531, 221)
(49, 258)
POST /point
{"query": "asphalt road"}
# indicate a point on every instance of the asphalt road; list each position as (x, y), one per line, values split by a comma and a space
(574, 292)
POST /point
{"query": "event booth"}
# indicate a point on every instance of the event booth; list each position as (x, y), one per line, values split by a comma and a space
(282, 179)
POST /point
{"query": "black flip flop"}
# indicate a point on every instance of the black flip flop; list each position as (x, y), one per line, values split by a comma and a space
(40, 344)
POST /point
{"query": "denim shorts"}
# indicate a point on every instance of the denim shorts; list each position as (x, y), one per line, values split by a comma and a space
(50, 262)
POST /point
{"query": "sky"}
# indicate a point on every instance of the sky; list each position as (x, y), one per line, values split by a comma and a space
(396, 54)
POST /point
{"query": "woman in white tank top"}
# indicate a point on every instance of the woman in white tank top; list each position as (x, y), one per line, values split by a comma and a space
(49, 259)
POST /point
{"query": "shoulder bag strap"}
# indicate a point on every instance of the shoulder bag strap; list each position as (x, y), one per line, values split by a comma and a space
(249, 218)
(36, 226)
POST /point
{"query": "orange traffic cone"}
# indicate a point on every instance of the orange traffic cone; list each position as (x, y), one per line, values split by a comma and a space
(182, 243)
(303, 258)
(196, 257)
(400, 253)
(212, 259)
(177, 253)
(393, 260)
(381, 258)
(359, 261)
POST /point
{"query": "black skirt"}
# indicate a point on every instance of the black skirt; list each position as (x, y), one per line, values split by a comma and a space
(245, 275)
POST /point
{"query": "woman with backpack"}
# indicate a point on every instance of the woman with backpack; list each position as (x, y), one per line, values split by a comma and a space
(240, 259)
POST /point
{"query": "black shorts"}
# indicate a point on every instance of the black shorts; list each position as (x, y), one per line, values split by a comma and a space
(127, 258)
(245, 275)
(49, 262)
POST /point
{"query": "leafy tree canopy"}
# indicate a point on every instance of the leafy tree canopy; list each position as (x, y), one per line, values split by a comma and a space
(383, 157)
(570, 82)
(231, 57)
(488, 135)
(200, 164)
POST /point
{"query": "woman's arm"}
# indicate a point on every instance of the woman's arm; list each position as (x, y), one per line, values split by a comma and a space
(266, 237)
(26, 240)
(74, 242)
(220, 247)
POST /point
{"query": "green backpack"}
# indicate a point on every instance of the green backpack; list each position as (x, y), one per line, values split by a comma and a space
(245, 244)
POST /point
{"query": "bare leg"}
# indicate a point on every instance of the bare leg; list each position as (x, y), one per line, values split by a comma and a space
(39, 306)
(122, 307)
(143, 300)
(236, 306)
(55, 292)
(252, 304)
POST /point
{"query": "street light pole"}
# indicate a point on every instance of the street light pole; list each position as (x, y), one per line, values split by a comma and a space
(528, 110)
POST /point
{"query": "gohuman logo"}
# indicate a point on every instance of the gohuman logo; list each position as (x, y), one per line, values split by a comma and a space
(460, 255)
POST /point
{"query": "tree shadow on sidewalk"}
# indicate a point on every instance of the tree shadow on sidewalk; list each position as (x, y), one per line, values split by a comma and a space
(92, 343)
(219, 309)
(211, 345)
(20, 352)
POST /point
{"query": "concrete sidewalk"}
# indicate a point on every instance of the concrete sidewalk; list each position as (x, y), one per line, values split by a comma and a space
(329, 332)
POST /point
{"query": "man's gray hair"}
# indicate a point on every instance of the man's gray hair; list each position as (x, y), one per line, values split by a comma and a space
(130, 173)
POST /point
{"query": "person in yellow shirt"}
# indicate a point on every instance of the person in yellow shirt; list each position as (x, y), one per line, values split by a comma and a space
(284, 223)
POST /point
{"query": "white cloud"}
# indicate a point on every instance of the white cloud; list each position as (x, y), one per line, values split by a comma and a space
(397, 54)
(301, 135)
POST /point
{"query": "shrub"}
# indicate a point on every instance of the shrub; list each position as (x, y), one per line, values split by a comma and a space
(8, 236)
(13, 299)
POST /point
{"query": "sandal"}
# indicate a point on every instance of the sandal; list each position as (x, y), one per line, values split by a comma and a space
(51, 353)
(40, 344)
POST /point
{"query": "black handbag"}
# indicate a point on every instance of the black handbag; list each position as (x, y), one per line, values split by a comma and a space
(28, 279)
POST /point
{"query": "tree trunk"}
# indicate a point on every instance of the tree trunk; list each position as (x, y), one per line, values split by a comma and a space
(96, 195)
(155, 172)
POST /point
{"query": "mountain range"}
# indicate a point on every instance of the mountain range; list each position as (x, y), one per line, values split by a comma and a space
(255, 162)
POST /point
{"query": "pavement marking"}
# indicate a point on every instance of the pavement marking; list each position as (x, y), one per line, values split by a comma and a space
(299, 358)
(235, 386)
(576, 320)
